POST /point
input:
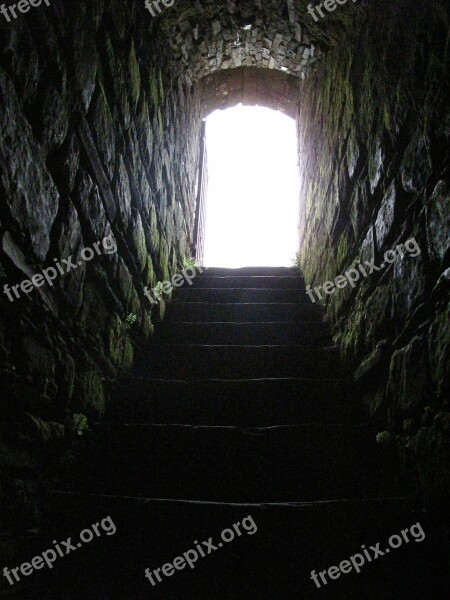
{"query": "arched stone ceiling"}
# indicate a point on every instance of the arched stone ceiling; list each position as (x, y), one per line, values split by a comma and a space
(206, 36)
(251, 86)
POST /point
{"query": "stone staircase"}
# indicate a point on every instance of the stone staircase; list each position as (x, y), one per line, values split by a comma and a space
(241, 408)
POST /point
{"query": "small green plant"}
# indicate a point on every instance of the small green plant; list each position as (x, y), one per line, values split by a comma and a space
(158, 289)
(296, 260)
(130, 320)
(384, 437)
(189, 262)
(79, 424)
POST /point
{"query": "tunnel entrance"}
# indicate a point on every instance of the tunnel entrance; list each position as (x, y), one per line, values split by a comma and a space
(177, 403)
(253, 190)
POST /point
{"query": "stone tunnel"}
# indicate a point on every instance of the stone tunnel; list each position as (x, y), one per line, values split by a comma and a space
(330, 444)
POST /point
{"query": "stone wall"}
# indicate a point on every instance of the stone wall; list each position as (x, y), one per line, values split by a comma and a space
(98, 140)
(374, 127)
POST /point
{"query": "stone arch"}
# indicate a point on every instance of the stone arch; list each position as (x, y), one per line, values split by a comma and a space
(252, 87)
(205, 38)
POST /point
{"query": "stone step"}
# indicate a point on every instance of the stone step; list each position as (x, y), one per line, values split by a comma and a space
(273, 464)
(246, 281)
(273, 557)
(238, 313)
(275, 333)
(248, 403)
(250, 272)
(193, 361)
(240, 295)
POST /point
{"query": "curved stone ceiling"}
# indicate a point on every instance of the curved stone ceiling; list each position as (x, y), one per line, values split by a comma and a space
(205, 37)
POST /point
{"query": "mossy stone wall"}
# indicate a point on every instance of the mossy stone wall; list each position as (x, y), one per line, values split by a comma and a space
(100, 139)
(374, 127)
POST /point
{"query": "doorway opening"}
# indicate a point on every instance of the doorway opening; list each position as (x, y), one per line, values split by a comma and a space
(253, 190)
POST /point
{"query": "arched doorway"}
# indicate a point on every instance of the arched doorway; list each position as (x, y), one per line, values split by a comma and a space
(251, 161)
(253, 193)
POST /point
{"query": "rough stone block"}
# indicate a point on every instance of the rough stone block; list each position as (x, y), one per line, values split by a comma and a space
(409, 284)
(122, 192)
(31, 194)
(96, 165)
(90, 393)
(102, 125)
(439, 351)
(438, 222)
(408, 384)
(386, 218)
(416, 165)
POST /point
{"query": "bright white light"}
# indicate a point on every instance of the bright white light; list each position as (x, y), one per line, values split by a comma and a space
(253, 198)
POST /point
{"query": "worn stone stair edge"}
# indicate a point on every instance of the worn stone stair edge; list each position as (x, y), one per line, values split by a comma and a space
(229, 381)
(263, 505)
(260, 430)
(301, 307)
(237, 346)
(246, 289)
(250, 323)
(207, 273)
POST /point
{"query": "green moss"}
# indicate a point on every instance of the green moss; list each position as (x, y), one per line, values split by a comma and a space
(90, 393)
(164, 261)
(149, 273)
(140, 246)
(342, 250)
(119, 344)
(155, 235)
(354, 332)
(135, 75)
(146, 325)
(125, 283)
(94, 314)
(157, 92)
(154, 89)
(161, 88)
(128, 355)
(134, 304)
